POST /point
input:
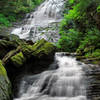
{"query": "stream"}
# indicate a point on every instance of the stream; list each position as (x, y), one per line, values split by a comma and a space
(43, 23)
(65, 82)
(71, 79)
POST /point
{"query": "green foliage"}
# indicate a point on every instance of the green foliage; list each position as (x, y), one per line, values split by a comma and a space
(70, 41)
(96, 53)
(98, 8)
(79, 29)
(4, 20)
(13, 10)
(91, 39)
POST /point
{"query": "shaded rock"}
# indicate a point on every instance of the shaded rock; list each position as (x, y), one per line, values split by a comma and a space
(41, 56)
(30, 42)
(80, 57)
(43, 47)
(28, 58)
(13, 60)
(39, 49)
(10, 54)
(4, 37)
(6, 46)
(5, 86)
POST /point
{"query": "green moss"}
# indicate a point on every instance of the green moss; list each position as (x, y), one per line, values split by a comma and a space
(2, 69)
(39, 44)
(27, 49)
(42, 47)
(5, 43)
(18, 59)
(89, 49)
(38, 49)
(80, 57)
(96, 62)
(96, 53)
(5, 86)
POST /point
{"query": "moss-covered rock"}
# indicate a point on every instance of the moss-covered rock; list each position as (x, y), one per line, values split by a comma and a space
(39, 49)
(10, 54)
(89, 49)
(27, 50)
(6, 46)
(43, 47)
(18, 59)
(5, 86)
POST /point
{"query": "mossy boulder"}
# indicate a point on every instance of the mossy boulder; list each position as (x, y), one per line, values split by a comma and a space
(43, 47)
(39, 49)
(5, 86)
(18, 59)
(38, 56)
(89, 49)
(27, 50)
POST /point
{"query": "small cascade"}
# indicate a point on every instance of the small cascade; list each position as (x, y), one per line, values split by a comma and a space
(67, 82)
(43, 23)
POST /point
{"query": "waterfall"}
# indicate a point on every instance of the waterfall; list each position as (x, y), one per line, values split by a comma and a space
(42, 23)
(66, 82)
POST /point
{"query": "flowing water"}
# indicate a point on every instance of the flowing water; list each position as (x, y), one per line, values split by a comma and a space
(66, 82)
(43, 23)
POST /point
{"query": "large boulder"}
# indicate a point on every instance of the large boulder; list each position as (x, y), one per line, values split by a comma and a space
(33, 57)
(40, 56)
(5, 86)
(28, 58)
(42, 48)
(39, 49)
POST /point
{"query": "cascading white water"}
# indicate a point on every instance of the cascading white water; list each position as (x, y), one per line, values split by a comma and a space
(67, 82)
(48, 13)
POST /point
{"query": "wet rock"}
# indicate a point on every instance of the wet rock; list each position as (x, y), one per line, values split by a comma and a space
(27, 50)
(18, 60)
(39, 49)
(29, 58)
(5, 86)
(6, 46)
(38, 56)
(42, 48)
(80, 57)
(93, 74)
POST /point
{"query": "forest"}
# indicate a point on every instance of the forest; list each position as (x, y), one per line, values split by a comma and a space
(80, 28)
(49, 49)
(14, 10)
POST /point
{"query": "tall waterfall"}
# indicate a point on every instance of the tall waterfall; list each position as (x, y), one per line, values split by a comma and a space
(42, 23)
(67, 82)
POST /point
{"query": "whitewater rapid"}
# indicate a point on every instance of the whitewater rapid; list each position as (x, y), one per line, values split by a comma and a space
(67, 82)
(43, 23)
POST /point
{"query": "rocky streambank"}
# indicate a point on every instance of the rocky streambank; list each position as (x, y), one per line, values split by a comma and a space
(20, 57)
(92, 72)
